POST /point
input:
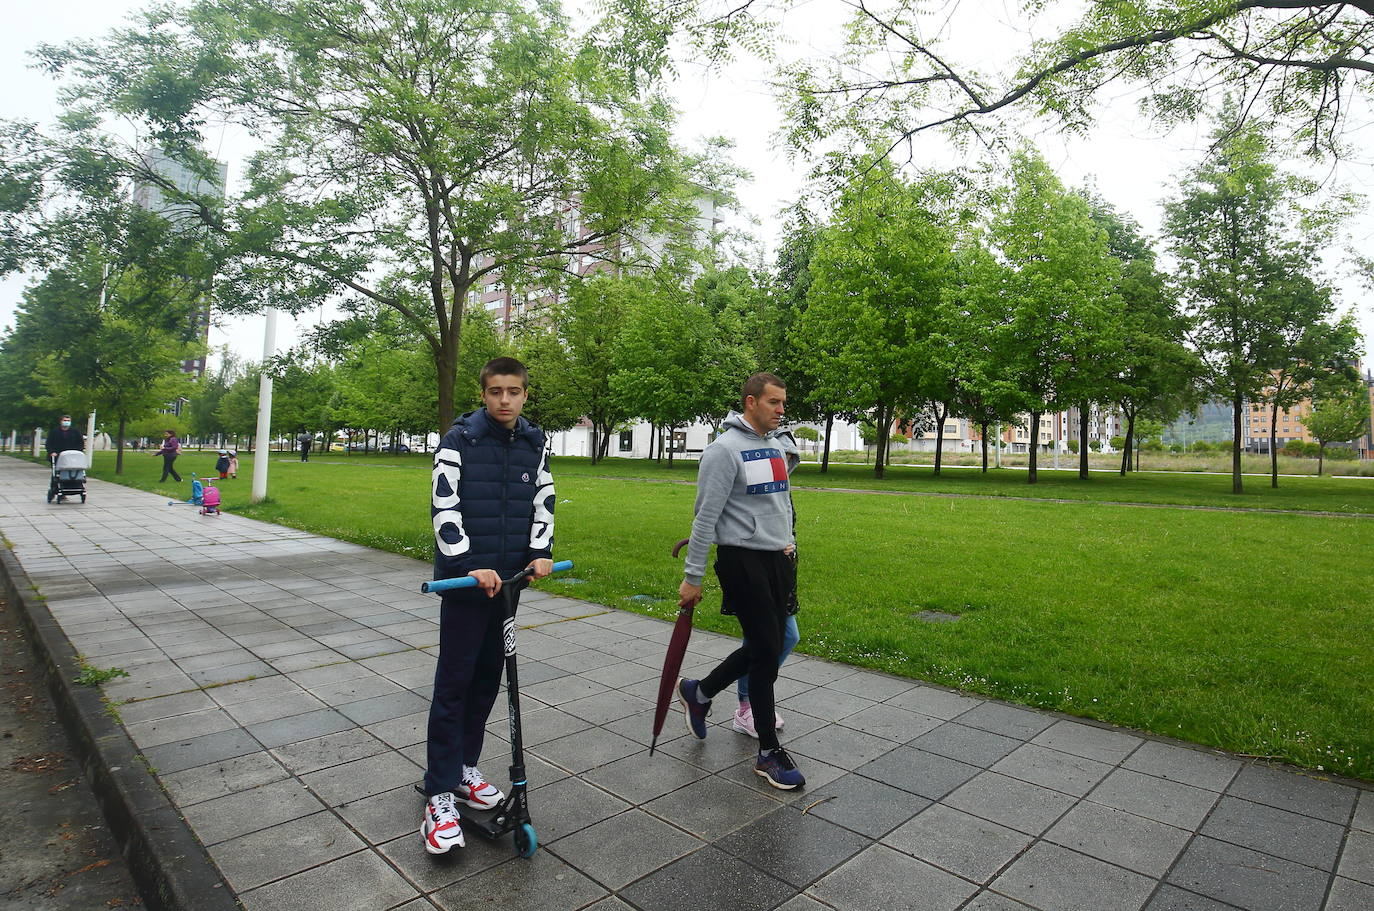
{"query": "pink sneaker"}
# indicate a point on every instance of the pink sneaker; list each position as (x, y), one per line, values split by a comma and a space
(744, 721)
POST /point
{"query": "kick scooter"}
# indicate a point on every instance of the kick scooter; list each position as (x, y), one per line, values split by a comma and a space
(511, 815)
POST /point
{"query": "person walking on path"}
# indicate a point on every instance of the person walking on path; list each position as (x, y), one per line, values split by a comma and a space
(743, 722)
(492, 510)
(63, 437)
(171, 448)
(305, 439)
(744, 507)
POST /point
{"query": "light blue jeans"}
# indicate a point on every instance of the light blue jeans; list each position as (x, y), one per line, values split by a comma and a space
(790, 637)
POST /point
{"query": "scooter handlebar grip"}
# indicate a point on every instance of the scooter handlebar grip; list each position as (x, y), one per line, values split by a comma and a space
(443, 585)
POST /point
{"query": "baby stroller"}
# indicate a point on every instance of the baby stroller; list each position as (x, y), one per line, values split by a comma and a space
(68, 476)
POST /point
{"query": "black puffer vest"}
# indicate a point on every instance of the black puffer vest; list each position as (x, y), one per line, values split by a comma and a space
(497, 473)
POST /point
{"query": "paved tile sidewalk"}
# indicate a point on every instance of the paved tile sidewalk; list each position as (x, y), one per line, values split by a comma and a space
(279, 681)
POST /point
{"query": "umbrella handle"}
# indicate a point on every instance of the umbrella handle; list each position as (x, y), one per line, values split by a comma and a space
(677, 548)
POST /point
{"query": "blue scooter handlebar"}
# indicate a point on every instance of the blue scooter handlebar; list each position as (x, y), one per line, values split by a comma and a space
(443, 585)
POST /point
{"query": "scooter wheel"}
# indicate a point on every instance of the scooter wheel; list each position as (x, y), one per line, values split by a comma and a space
(83, 498)
(50, 496)
(526, 843)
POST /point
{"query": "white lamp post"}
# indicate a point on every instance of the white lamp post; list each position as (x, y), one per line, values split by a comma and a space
(269, 345)
(90, 438)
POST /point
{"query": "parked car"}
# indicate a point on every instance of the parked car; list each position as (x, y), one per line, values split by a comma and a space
(399, 447)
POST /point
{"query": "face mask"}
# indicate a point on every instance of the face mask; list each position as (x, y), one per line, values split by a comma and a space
(66, 424)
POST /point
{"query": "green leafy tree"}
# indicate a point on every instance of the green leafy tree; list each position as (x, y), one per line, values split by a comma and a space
(307, 395)
(21, 392)
(589, 321)
(238, 407)
(1055, 313)
(202, 419)
(111, 343)
(1340, 413)
(1244, 248)
(1303, 64)
(778, 353)
(970, 336)
(446, 141)
(1155, 371)
(1304, 350)
(553, 402)
(678, 362)
(878, 273)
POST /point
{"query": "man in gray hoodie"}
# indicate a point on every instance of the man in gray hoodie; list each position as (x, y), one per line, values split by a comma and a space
(744, 507)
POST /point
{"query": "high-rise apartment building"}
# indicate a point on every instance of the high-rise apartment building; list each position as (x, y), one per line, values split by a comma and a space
(508, 303)
(151, 197)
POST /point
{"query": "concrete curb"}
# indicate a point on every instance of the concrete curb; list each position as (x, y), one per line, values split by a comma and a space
(169, 865)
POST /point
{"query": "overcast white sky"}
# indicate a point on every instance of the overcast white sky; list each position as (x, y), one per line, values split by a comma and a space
(1132, 164)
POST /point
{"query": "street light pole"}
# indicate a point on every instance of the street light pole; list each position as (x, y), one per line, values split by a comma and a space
(260, 448)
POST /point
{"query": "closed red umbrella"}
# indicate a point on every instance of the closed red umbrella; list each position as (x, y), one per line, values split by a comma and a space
(672, 662)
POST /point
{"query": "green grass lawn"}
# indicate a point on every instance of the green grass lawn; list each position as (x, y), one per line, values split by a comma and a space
(1355, 495)
(1248, 631)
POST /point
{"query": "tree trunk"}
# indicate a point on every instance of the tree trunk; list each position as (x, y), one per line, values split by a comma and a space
(1033, 448)
(446, 366)
(883, 432)
(605, 442)
(939, 433)
(829, 424)
(1236, 418)
(984, 435)
(1130, 438)
(1321, 456)
(668, 432)
(1083, 441)
(596, 439)
(1273, 451)
(118, 451)
(653, 440)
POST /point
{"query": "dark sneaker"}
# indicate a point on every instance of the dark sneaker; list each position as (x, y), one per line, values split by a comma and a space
(441, 828)
(779, 769)
(696, 711)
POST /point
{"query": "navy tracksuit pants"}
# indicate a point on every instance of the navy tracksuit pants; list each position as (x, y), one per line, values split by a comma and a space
(466, 683)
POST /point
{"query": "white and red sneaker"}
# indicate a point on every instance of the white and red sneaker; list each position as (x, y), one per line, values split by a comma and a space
(476, 793)
(441, 828)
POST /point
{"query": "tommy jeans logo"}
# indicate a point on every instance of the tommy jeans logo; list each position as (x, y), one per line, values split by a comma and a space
(765, 471)
(525, 477)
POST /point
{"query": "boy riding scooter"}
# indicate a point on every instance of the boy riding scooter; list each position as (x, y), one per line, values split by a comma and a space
(492, 509)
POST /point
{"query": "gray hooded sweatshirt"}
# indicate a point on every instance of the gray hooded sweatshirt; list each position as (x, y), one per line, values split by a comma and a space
(743, 496)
